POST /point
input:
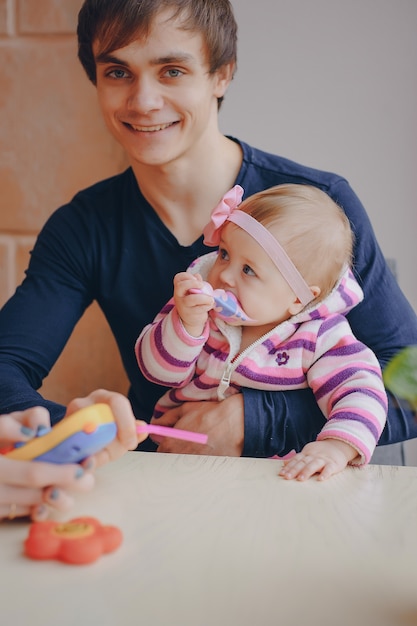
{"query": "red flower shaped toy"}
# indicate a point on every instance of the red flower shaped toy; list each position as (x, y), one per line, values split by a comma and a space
(79, 541)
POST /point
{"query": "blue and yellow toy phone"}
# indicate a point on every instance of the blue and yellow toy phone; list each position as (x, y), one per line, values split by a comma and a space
(73, 439)
(84, 433)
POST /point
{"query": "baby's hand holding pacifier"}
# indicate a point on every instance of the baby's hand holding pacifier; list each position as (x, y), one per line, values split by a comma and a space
(191, 302)
(186, 283)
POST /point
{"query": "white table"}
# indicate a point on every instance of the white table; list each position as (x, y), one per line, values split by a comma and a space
(222, 541)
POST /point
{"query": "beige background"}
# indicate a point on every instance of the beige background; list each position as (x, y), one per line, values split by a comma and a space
(329, 83)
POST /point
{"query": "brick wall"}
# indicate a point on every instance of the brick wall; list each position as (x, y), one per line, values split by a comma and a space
(52, 143)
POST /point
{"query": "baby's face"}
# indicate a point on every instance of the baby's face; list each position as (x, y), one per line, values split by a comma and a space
(245, 269)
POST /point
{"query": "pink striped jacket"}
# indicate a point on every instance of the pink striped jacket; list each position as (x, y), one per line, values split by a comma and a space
(315, 348)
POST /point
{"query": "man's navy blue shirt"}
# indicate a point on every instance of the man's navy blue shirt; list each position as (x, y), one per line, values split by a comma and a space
(109, 245)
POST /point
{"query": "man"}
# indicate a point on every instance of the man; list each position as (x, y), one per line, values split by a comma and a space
(161, 69)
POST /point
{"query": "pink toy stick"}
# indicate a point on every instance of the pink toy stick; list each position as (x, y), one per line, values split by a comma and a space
(176, 433)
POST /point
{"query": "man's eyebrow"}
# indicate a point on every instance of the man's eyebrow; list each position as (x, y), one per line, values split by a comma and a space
(175, 57)
(105, 58)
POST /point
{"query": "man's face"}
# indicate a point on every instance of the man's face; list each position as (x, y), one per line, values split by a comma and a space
(156, 95)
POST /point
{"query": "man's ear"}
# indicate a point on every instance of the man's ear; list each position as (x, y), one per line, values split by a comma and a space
(224, 76)
(298, 306)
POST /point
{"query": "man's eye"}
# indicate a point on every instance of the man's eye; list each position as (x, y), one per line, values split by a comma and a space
(248, 270)
(173, 73)
(117, 73)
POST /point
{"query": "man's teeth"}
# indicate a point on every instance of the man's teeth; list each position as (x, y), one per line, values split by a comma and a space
(150, 129)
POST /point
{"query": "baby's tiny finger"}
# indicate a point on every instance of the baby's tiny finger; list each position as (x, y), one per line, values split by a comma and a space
(293, 466)
(313, 466)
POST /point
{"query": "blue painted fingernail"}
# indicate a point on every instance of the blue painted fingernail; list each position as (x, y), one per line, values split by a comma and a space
(54, 494)
(79, 472)
(41, 512)
(42, 430)
(28, 432)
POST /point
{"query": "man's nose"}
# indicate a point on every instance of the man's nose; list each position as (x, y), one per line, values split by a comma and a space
(145, 96)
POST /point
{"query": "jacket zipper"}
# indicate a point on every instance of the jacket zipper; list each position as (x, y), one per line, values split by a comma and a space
(232, 365)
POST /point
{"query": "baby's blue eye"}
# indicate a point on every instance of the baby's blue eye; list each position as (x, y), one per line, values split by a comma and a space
(248, 270)
(223, 254)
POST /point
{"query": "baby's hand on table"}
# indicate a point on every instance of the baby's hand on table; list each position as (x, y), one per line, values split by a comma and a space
(324, 458)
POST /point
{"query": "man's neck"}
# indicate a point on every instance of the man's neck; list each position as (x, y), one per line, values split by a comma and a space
(184, 193)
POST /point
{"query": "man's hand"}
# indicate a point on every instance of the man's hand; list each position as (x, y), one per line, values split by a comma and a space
(223, 422)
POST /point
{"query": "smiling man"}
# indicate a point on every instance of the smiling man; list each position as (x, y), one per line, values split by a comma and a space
(159, 100)
(162, 68)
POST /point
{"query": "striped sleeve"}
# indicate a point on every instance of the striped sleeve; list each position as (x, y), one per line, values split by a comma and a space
(347, 382)
(165, 352)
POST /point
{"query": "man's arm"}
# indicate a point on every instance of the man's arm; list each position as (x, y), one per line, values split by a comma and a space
(277, 422)
(37, 321)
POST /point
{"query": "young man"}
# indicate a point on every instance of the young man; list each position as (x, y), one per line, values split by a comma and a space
(161, 69)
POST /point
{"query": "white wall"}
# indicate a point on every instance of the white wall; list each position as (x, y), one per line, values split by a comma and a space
(333, 84)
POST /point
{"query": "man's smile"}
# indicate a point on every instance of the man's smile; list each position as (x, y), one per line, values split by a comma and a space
(150, 129)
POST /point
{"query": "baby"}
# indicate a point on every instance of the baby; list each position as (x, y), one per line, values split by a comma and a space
(284, 256)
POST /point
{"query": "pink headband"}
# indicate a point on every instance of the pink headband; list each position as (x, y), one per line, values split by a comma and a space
(226, 211)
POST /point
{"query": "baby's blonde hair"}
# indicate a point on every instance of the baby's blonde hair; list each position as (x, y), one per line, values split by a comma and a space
(313, 230)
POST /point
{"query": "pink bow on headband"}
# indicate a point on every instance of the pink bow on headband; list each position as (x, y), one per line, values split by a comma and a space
(226, 206)
(227, 210)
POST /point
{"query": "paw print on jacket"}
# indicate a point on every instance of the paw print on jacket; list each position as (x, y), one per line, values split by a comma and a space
(282, 358)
